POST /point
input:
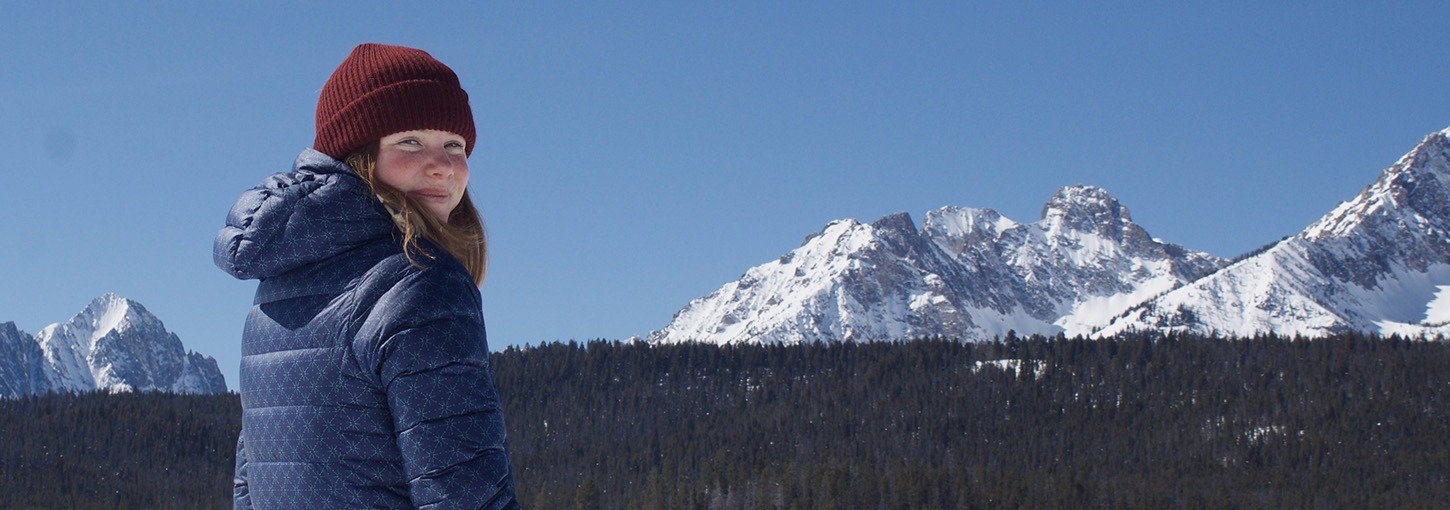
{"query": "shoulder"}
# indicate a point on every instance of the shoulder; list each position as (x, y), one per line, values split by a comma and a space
(433, 287)
(434, 301)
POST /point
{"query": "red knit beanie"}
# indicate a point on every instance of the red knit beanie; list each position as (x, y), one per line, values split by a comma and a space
(380, 90)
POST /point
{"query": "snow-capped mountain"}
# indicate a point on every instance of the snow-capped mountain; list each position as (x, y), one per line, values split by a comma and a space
(967, 273)
(1379, 263)
(114, 344)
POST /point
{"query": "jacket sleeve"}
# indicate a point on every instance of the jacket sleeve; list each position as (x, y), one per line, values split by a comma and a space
(241, 495)
(433, 366)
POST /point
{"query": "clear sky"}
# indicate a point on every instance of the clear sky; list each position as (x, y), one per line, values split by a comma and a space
(632, 158)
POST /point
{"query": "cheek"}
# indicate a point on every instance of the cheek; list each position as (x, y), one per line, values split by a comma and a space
(461, 175)
(392, 171)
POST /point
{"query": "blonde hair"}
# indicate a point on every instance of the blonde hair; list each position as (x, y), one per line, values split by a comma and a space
(462, 236)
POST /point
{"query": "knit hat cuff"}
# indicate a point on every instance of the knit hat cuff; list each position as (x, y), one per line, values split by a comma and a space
(401, 106)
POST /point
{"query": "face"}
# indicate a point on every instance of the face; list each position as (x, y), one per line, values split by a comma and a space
(428, 165)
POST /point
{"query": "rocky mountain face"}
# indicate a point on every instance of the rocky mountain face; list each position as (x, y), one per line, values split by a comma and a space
(114, 344)
(22, 365)
(966, 273)
(1379, 263)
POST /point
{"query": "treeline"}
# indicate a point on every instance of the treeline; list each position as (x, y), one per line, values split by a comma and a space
(1149, 421)
(1137, 422)
(118, 451)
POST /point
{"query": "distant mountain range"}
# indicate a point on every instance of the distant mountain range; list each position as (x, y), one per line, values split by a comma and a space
(1379, 263)
(114, 344)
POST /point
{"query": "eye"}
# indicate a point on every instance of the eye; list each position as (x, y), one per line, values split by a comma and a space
(407, 144)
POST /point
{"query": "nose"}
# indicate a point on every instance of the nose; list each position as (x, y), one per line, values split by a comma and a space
(440, 163)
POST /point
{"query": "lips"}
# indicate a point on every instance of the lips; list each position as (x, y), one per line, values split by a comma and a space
(439, 201)
(431, 194)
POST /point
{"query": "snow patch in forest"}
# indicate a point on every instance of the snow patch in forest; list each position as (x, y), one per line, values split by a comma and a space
(1012, 365)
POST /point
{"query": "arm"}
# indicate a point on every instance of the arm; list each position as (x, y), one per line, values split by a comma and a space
(446, 412)
(241, 496)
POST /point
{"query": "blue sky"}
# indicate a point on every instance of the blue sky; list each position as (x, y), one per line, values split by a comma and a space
(633, 158)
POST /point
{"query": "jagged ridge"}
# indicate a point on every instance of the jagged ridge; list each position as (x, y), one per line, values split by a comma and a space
(967, 273)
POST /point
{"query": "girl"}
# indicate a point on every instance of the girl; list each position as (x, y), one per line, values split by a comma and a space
(365, 379)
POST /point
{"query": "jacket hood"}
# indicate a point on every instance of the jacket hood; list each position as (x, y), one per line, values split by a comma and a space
(318, 210)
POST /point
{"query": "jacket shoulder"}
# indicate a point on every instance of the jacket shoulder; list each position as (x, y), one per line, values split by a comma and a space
(399, 296)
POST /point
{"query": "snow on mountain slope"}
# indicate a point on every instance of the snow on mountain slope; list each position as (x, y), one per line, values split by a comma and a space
(114, 344)
(1379, 263)
(968, 273)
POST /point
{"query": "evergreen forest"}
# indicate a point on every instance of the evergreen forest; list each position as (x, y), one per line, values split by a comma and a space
(1145, 421)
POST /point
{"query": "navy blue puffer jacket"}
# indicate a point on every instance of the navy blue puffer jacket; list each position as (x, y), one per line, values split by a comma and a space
(365, 378)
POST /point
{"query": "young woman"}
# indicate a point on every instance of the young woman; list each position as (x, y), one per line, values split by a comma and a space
(365, 379)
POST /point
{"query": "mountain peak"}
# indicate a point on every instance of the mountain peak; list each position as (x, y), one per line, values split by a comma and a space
(1083, 208)
(105, 314)
(1414, 191)
(1379, 263)
(108, 300)
(115, 344)
(1429, 159)
(900, 222)
(110, 312)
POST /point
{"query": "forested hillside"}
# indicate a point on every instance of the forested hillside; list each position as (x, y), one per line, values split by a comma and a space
(1138, 422)
(125, 450)
(1141, 422)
